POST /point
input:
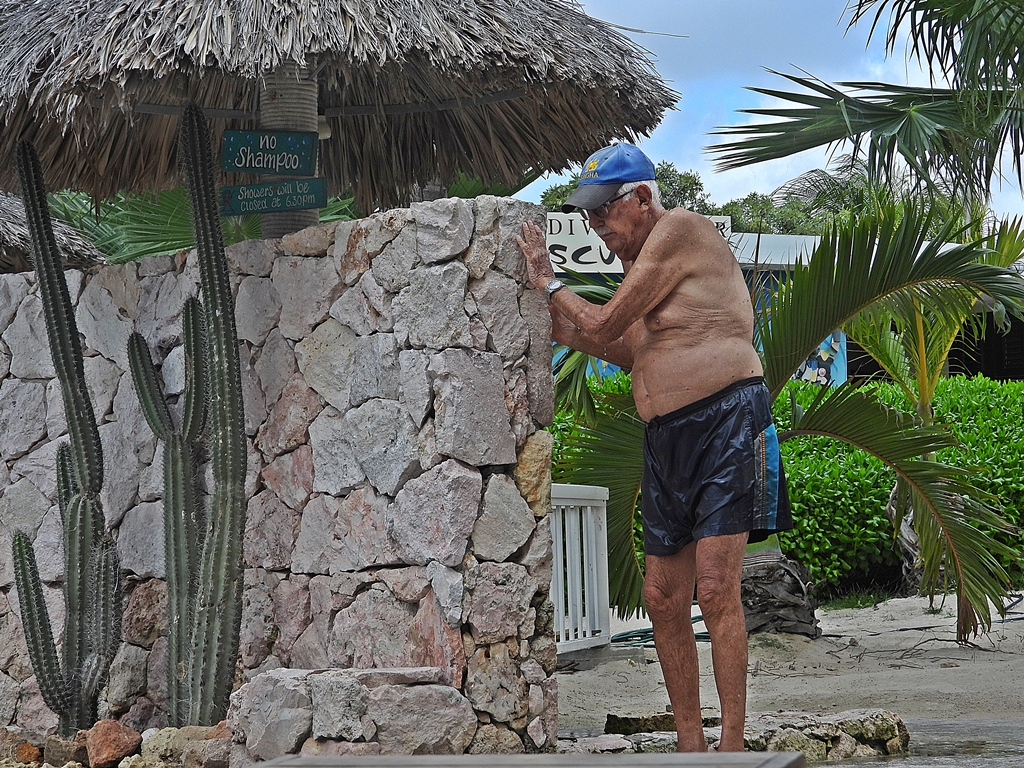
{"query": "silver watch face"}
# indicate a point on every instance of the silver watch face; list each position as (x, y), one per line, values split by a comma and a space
(552, 286)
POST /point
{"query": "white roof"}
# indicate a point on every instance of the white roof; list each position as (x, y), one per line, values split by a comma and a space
(772, 250)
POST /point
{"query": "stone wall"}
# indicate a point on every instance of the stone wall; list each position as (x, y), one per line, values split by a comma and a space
(397, 379)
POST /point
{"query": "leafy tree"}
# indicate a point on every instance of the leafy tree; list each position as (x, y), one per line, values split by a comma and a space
(945, 141)
(758, 212)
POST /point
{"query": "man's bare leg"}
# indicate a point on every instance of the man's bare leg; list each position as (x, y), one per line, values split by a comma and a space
(668, 592)
(719, 567)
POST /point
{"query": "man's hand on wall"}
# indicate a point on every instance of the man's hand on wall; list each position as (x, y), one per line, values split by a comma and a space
(533, 244)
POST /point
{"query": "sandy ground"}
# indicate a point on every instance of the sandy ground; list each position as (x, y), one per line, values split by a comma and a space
(896, 655)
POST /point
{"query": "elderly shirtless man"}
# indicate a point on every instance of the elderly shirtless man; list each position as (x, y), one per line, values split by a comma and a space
(682, 322)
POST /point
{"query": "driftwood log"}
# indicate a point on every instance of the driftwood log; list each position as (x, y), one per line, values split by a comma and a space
(776, 597)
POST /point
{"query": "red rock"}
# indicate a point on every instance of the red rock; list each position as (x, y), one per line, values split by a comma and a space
(15, 747)
(108, 742)
(219, 731)
(27, 753)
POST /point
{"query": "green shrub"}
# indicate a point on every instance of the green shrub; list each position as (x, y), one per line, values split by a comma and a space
(984, 415)
(987, 418)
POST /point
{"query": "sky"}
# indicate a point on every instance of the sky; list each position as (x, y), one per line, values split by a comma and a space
(729, 45)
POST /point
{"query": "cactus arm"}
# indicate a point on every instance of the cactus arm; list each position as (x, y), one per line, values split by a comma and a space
(147, 387)
(61, 330)
(83, 525)
(180, 542)
(218, 609)
(42, 650)
(104, 620)
(193, 419)
(66, 485)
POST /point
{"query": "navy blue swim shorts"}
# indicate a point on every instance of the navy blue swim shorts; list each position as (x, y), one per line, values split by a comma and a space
(713, 468)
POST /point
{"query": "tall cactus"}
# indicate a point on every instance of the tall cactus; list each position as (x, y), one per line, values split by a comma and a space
(184, 523)
(92, 588)
(204, 586)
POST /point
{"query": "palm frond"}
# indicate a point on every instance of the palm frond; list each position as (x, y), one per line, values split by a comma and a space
(975, 43)
(945, 136)
(610, 454)
(954, 517)
(858, 263)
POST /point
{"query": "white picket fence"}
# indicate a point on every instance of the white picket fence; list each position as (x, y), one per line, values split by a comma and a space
(579, 580)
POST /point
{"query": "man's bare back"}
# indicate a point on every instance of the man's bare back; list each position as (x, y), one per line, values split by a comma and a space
(698, 340)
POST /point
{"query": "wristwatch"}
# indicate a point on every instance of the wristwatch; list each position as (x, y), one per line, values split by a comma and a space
(551, 287)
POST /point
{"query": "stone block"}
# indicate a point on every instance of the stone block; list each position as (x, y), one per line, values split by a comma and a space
(22, 416)
(505, 521)
(276, 366)
(384, 439)
(311, 241)
(375, 370)
(443, 228)
(415, 389)
(291, 614)
(402, 729)
(290, 476)
(257, 309)
(492, 739)
(430, 312)
(391, 267)
(207, 753)
(373, 631)
(472, 421)
(307, 287)
(357, 244)
(108, 742)
(433, 515)
(494, 685)
(273, 713)
(533, 472)
(126, 679)
(285, 428)
(25, 338)
(498, 600)
(141, 551)
(271, 529)
(325, 359)
(497, 305)
(253, 257)
(339, 703)
(336, 470)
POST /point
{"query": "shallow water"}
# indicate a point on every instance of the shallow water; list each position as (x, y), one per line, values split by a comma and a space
(966, 743)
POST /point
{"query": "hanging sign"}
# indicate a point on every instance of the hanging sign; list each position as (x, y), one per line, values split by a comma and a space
(292, 195)
(283, 153)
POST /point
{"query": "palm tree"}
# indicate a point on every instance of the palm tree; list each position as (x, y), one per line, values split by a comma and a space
(953, 135)
(882, 256)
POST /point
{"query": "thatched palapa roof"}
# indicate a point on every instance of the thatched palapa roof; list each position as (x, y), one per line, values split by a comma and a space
(16, 247)
(413, 90)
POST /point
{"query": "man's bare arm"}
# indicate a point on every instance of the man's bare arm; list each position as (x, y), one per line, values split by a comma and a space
(655, 273)
(618, 352)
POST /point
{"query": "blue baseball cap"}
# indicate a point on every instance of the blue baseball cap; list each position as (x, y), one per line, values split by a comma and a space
(605, 171)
